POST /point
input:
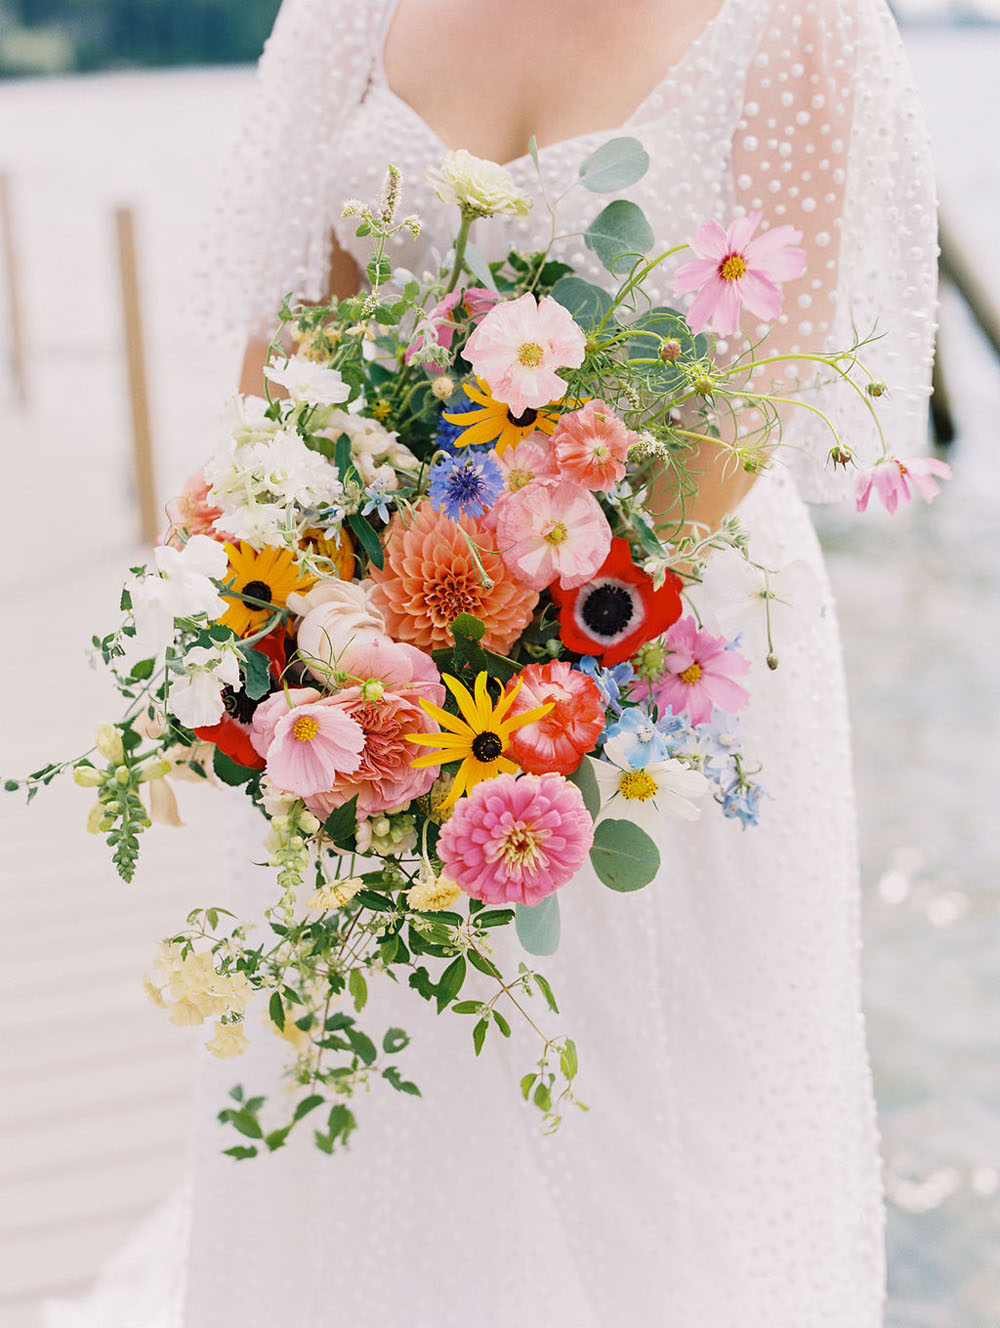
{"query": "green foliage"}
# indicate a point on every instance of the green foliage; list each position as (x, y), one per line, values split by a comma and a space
(586, 781)
(618, 233)
(623, 856)
(367, 538)
(589, 304)
(615, 165)
(538, 927)
(229, 771)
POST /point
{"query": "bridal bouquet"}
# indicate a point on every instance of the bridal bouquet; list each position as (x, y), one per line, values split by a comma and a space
(432, 608)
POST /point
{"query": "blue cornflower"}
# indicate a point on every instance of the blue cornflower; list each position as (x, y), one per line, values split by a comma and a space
(377, 500)
(610, 682)
(636, 739)
(447, 432)
(741, 802)
(465, 484)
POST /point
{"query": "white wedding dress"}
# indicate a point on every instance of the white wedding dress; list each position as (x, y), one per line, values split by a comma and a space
(727, 1173)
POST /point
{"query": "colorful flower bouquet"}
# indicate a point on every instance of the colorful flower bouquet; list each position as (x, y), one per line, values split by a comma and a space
(430, 609)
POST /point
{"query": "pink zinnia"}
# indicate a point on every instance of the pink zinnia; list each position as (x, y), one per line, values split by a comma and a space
(519, 346)
(559, 740)
(591, 445)
(516, 840)
(733, 270)
(891, 480)
(699, 673)
(440, 322)
(553, 530)
(312, 743)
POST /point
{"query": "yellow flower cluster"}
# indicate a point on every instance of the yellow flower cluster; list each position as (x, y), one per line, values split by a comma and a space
(193, 991)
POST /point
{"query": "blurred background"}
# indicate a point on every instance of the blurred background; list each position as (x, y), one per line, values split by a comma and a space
(111, 138)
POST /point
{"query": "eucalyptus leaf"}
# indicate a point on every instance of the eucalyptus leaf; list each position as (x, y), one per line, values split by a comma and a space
(586, 781)
(619, 231)
(615, 165)
(476, 262)
(623, 856)
(538, 926)
(587, 303)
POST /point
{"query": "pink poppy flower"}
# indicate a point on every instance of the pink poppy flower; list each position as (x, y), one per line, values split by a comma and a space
(440, 321)
(553, 530)
(516, 840)
(531, 459)
(399, 667)
(519, 346)
(312, 744)
(733, 270)
(700, 673)
(891, 480)
(591, 445)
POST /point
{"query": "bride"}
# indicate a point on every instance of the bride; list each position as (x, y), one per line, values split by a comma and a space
(727, 1173)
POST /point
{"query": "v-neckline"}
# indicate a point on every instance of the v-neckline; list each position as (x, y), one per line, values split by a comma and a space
(694, 48)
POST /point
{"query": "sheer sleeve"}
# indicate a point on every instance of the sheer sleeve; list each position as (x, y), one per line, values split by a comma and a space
(832, 141)
(270, 232)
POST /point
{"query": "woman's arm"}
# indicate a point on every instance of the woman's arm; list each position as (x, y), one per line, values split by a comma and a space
(344, 279)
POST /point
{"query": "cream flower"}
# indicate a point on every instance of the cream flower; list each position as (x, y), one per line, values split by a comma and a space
(336, 893)
(195, 991)
(336, 615)
(309, 383)
(196, 698)
(227, 1041)
(432, 894)
(481, 188)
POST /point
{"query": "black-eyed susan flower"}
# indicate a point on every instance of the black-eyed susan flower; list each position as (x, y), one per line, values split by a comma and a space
(269, 575)
(479, 737)
(492, 421)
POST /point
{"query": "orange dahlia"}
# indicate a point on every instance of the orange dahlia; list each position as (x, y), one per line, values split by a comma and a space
(430, 577)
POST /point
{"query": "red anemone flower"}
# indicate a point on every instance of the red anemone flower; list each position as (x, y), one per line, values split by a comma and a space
(232, 733)
(618, 610)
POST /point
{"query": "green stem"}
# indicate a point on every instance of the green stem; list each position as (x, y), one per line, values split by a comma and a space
(461, 240)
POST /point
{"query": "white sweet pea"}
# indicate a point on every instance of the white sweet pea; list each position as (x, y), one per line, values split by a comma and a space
(644, 796)
(736, 598)
(481, 188)
(183, 588)
(196, 698)
(309, 383)
(246, 421)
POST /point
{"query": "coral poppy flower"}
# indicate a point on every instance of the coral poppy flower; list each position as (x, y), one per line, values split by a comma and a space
(559, 740)
(591, 446)
(618, 610)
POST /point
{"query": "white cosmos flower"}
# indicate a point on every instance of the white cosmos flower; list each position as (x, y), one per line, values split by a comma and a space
(644, 796)
(196, 698)
(182, 588)
(481, 188)
(735, 597)
(309, 383)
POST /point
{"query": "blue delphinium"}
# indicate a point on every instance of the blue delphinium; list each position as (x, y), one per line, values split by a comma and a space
(741, 801)
(610, 682)
(718, 742)
(638, 739)
(468, 484)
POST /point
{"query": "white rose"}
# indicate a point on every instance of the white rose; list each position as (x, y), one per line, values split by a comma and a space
(479, 187)
(336, 614)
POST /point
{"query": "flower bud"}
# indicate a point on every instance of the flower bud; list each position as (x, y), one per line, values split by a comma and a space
(309, 823)
(670, 351)
(95, 819)
(442, 387)
(704, 386)
(155, 770)
(108, 742)
(87, 777)
(122, 775)
(876, 388)
(372, 690)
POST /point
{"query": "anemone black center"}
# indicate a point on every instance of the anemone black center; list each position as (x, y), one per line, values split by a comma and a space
(238, 704)
(607, 610)
(526, 418)
(487, 747)
(258, 590)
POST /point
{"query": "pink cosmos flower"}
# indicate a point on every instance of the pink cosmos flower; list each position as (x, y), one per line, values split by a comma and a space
(275, 707)
(516, 840)
(891, 480)
(553, 530)
(699, 673)
(312, 742)
(518, 347)
(734, 270)
(440, 323)
(531, 459)
(591, 445)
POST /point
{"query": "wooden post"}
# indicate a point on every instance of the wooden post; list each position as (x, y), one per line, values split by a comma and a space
(17, 357)
(142, 440)
(964, 275)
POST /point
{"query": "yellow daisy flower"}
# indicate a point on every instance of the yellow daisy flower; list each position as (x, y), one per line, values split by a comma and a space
(479, 738)
(270, 575)
(494, 423)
